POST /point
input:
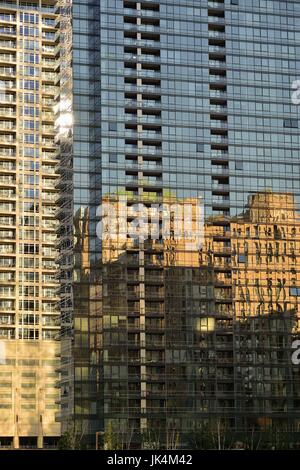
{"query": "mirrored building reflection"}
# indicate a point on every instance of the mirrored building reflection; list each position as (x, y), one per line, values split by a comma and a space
(189, 334)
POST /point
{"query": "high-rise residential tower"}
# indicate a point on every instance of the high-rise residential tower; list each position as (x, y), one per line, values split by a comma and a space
(180, 103)
(29, 315)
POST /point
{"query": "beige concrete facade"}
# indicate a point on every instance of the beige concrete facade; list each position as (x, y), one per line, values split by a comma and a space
(28, 391)
(29, 309)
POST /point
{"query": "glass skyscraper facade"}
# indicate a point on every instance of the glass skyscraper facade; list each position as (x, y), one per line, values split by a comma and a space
(180, 103)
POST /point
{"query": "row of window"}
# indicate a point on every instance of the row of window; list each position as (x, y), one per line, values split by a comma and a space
(28, 333)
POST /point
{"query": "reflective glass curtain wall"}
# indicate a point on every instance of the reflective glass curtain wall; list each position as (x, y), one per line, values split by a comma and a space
(180, 101)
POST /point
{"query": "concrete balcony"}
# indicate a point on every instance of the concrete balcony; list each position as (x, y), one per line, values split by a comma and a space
(8, 58)
(7, 98)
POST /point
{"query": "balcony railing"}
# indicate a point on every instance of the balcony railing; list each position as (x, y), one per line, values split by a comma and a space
(7, 262)
(48, 155)
(6, 234)
(217, 64)
(216, 4)
(8, 44)
(7, 152)
(48, 129)
(7, 139)
(219, 124)
(7, 58)
(7, 30)
(7, 193)
(142, 42)
(49, 89)
(219, 139)
(216, 34)
(217, 94)
(219, 109)
(7, 207)
(48, 62)
(6, 98)
(7, 249)
(7, 71)
(49, 76)
(48, 35)
(7, 292)
(216, 19)
(7, 221)
(7, 17)
(220, 170)
(7, 166)
(7, 125)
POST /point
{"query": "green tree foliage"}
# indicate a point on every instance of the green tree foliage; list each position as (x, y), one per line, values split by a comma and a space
(71, 439)
(111, 439)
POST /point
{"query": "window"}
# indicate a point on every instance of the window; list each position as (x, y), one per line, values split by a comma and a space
(113, 158)
(30, 111)
(28, 31)
(30, 125)
(295, 291)
(31, 58)
(29, 139)
(112, 126)
(242, 258)
(200, 147)
(291, 123)
(31, 18)
(25, 333)
(5, 384)
(28, 362)
(29, 249)
(32, 305)
(29, 152)
(29, 319)
(238, 165)
(49, 334)
(27, 406)
(51, 407)
(30, 84)
(30, 71)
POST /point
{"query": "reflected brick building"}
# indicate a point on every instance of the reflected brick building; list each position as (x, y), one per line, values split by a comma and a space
(184, 336)
(187, 101)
